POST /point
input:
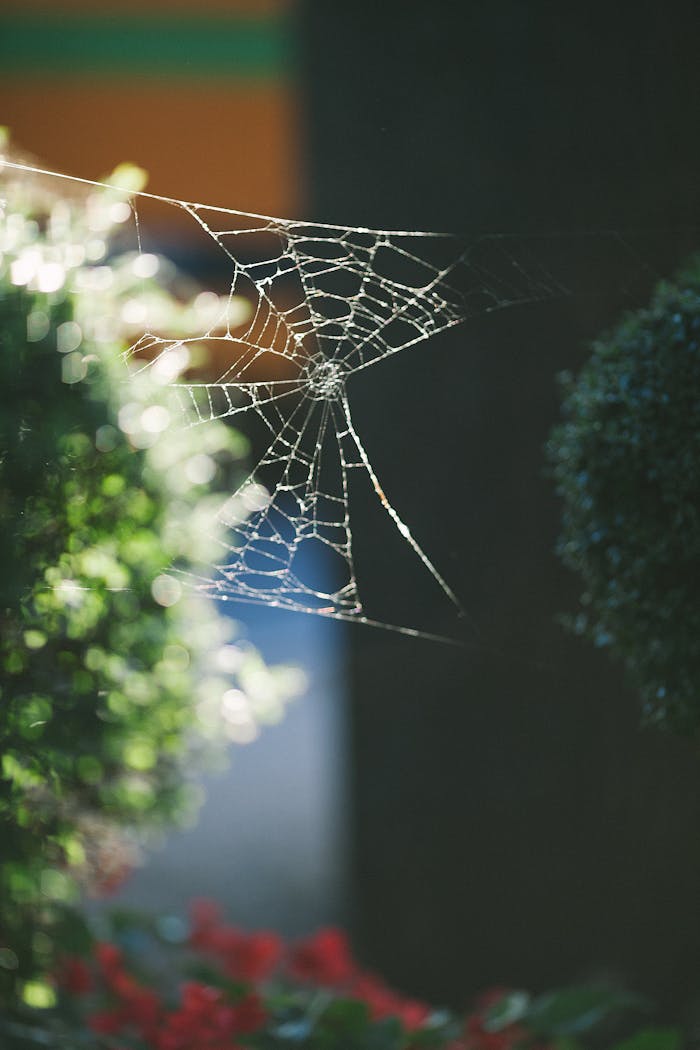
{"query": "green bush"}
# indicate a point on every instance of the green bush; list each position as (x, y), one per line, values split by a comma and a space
(627, 465)
(112, 670)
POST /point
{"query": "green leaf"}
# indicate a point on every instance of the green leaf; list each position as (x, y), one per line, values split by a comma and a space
(511, 1007)
(652, 1039)
(385, 1035)
(566, 1042)
(70, 931)
(570, 1011)
(348, 1014)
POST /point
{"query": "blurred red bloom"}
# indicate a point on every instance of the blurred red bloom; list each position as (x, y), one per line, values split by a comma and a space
(109, 959)
(137, 1008)
(73, 976)
(251, 957)
(205, 919)
(106, 1022)
(324, 958)
(478, 1037)
(383, 1002)
(250, 1014)
(207, 1017)
(205, 1021)
(245, 956)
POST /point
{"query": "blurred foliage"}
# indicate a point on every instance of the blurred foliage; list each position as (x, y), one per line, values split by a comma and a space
(627, 465)
(577, 1016)
(113, 672)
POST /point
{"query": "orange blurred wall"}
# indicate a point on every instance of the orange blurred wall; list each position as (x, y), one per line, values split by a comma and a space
(225, 133)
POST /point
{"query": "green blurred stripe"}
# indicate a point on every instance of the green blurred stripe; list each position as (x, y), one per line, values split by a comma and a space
(173, 46)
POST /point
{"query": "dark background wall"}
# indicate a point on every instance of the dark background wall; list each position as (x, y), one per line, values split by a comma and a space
(511, 823)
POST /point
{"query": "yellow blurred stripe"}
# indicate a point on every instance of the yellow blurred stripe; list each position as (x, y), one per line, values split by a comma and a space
(248, 8)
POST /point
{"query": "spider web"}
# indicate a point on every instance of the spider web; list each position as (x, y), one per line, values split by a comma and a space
(328, 302)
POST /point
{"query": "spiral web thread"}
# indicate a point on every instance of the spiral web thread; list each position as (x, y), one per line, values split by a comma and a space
(328, 302)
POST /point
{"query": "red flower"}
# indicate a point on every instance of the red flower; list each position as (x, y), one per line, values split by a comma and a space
(478, 1037)
(142, 1013)
(109, 959)
(205, 916)
(323, 959)
(383, 1002)
(250, 1014)
(106, 1022)
(73, 976)
(252, 957)
(137, 1008)
(412, 1013)
(245, 956)
(142, 1010)
(205, 1021)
